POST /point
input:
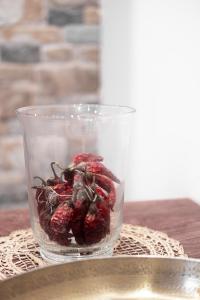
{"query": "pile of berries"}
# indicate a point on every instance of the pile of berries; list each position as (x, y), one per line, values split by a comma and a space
(77, 203)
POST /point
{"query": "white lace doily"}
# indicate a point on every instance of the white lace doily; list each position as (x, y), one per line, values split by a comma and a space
(20, 253)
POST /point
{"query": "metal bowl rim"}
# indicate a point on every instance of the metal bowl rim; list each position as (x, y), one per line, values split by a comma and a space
(183, 259)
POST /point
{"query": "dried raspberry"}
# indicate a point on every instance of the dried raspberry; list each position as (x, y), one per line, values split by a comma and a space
(100, 192)
(62, 217)
(99, 168)
(81, 204)
(45, 222)
(78, 182)
(78, 200)
(60, 187)
(64, 191)
(107, 184)
(52, 196)
(51, 199)
(40, 194)
(44, 218)
(62, 239)
(95, 225)
(68, 175)
(104, 211)
(65, 196)
(85, 157)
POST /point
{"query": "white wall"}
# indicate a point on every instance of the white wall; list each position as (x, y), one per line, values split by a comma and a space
(151, 60)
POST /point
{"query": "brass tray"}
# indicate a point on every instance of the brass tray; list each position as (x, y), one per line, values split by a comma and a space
(109, 279)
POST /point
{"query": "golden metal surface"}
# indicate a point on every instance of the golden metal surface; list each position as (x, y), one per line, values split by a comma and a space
(109, 279)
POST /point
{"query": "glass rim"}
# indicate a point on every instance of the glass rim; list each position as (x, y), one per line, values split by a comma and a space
(30, 111)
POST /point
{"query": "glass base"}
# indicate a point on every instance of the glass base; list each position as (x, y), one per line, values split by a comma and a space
(54, 258)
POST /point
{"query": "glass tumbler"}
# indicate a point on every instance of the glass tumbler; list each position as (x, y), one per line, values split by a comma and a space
(76, 158)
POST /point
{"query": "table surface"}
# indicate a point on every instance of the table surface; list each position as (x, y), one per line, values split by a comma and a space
(179, 218)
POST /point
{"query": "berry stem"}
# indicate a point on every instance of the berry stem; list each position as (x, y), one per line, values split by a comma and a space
(95, 198)
(53, 163)
(43, 181)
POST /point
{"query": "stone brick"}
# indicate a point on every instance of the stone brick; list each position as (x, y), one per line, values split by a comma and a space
(20, 52)
(34, 10)
(91, 15)
(66, 79)
(73, 3)
(10, 11)
(26, 86)
(82, 34)
(12, 196)
(14, 72)
(41, 33)
(11, 153)
(57, 52)
(18, 94)
(91, 98)
(87, 78)
(11, 179)
(88, 53)
(3, 128)
(60, 17)
(10, 127)
(56, 79)
(13, 126)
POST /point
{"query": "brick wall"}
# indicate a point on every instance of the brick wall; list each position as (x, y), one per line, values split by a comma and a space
(49, 53)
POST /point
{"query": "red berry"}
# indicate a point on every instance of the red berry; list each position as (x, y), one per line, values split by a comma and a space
(54, 195)
(99, 168)
(95, 225)
(68, 174)
(45, 222)
(62, 217)
(107, 184)
(60, 187)
(62, 239)
(78, 181)
(85, 157)
(81, 204)
(99, 191)
(77, 202)
(64, 191)
(48, 197)
(104, 211)
(44, 218)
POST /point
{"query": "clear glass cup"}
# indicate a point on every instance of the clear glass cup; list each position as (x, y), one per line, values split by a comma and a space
(75, 158)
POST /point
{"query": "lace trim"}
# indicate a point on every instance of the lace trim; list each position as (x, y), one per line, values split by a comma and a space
(20, 253)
